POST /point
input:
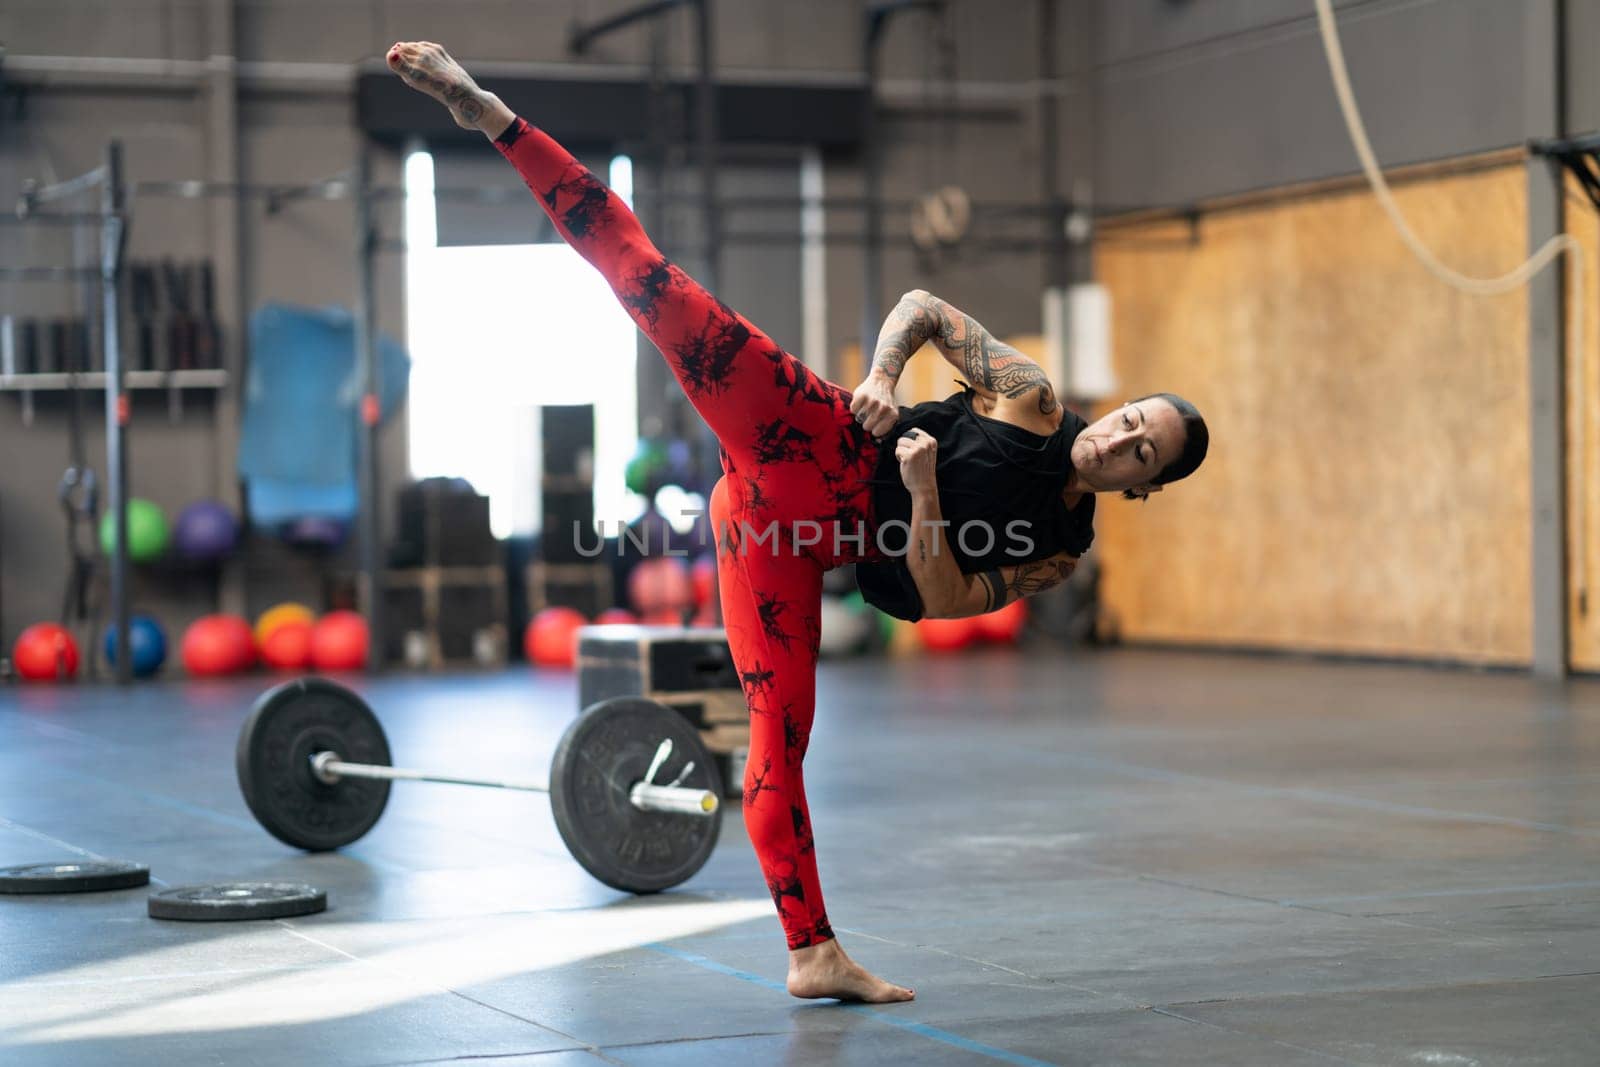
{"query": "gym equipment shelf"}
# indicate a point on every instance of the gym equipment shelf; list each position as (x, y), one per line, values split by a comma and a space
(134, 379)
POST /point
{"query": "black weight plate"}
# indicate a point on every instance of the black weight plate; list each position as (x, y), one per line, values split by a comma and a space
(85, 876)
(234, 901)
(600, 758)
(290, 724)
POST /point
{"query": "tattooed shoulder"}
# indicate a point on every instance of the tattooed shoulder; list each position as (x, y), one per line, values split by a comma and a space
(992, 364)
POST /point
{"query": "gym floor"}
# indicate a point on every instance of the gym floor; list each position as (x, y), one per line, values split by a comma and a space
(1118, 858)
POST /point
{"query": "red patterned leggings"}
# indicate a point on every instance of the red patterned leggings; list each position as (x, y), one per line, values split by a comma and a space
(793, 501)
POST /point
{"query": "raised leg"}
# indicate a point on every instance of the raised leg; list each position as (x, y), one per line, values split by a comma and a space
(761, 402)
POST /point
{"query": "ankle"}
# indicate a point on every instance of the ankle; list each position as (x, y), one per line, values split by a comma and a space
(812, 955)
(497, 118)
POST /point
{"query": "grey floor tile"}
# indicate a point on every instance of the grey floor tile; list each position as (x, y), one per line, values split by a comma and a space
(1546, 1022)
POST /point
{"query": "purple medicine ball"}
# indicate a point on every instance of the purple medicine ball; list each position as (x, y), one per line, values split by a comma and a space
(206, 531)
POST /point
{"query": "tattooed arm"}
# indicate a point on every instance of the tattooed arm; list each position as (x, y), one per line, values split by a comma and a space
(949, 594)
(946, 592)
(994, 589)
(1014, 384)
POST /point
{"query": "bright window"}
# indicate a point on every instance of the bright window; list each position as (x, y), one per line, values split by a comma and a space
(495, 331)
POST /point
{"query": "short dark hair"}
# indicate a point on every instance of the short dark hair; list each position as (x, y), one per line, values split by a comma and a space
(1196, 439)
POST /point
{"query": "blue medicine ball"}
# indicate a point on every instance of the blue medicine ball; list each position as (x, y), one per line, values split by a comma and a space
(149, 645)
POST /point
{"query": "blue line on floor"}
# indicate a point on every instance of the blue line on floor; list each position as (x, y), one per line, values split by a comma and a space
(921, 1029)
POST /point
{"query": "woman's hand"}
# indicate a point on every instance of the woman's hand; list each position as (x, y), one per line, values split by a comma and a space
(918, 454)
(873, 404)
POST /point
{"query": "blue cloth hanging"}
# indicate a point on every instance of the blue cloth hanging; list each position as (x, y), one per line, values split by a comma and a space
(302, 399)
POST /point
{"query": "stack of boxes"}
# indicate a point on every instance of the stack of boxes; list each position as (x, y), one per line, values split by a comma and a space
(445, 591)
(563, 576)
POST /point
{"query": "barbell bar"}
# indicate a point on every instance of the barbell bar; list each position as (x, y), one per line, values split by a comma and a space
(644, 795)
(314, 768)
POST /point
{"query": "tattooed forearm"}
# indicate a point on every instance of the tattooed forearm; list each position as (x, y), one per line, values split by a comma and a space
(994, 591)
(995, 367)
(1030, 578)
(907, 328)
(989, 363)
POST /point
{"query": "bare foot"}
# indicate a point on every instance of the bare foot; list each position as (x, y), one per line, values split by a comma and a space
(428, 68)
(825, 971)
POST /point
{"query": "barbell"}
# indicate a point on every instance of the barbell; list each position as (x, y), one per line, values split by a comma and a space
(314, 768)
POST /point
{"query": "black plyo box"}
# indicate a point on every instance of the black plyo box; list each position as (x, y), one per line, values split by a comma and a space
(441, 528)
(670, 664)
(690, 670)
(567, 440)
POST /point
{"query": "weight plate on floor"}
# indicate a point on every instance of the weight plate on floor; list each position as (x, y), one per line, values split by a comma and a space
(84, 876)
(600, 758)
(290, 724)
(232, 901)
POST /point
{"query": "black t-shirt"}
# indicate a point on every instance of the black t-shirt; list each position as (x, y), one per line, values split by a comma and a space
(1000, 490)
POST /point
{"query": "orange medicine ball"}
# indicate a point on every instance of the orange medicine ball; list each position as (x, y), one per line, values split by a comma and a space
(288, 646)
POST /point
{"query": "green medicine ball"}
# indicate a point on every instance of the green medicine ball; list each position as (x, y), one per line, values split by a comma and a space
(644, 470)
(147, 531)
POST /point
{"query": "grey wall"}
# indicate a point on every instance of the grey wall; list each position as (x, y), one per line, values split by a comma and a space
(1583, 74)
(1197, 100)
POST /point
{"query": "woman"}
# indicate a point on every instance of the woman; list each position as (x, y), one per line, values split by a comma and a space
(809, 484)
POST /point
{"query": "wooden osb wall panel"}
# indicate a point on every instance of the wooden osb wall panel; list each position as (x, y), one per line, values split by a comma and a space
(1367, 486)
(1583, 440)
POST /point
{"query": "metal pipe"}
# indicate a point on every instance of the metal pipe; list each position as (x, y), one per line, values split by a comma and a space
(1055, 215)
(112, 237)
(583, 36)
(338, 189)
(47, 274)
(878, 16)
(872, 192)
(329, 768)
(706, 137)
(369, 373)
(34, 194)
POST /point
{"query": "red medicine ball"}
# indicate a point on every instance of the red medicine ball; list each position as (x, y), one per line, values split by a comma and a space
(659, 584)
(288, 646)
(704, 576)
(45, 653)
(216, 645)
(946, 635)
(551, 639)
(339, 642)
(1004, 625)
(241, 640)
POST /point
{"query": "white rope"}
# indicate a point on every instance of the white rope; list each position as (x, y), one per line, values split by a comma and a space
(1504, 283)
(1380, 188)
